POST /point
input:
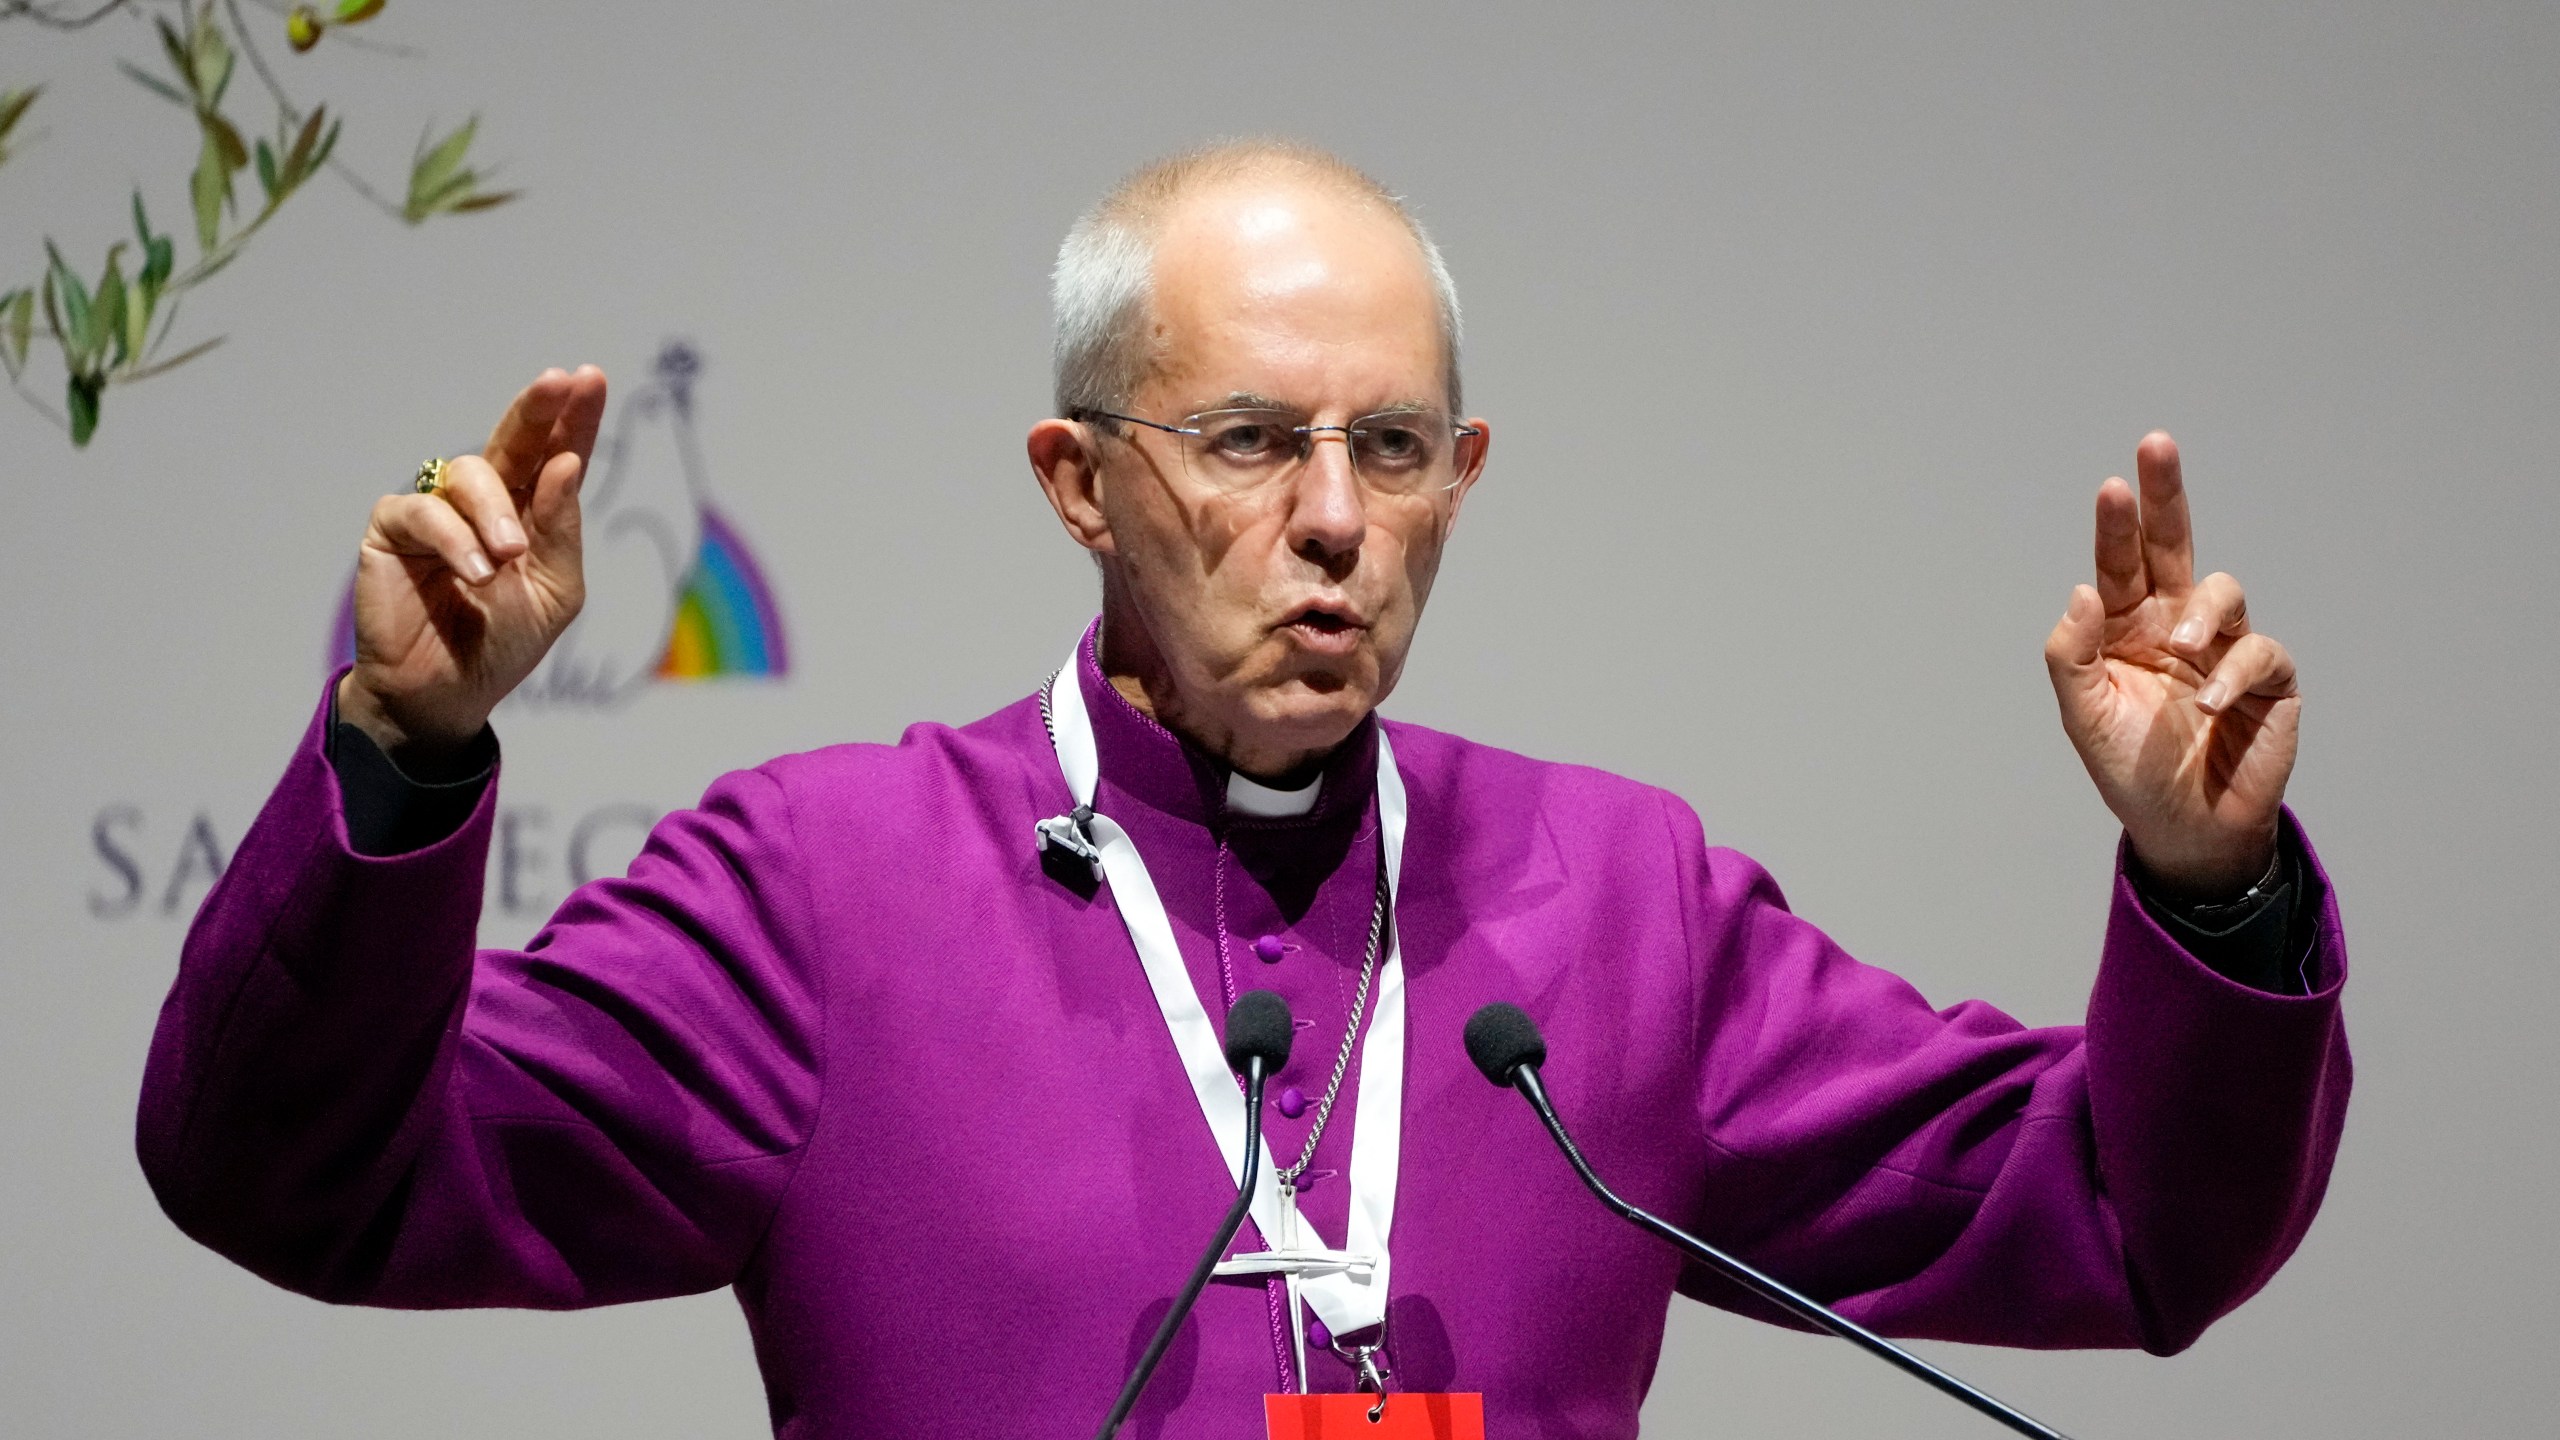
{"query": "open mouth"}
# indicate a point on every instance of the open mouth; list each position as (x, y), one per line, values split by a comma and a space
(1324, 627)
(1323, 619)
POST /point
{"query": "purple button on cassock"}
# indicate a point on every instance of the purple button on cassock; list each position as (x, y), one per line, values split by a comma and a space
(1293, 1102)
(1317, 1335)
(1270, 949)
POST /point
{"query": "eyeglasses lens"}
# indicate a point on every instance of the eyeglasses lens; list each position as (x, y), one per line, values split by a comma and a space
(1399, 452)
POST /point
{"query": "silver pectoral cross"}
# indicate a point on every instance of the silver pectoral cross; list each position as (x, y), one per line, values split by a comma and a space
(1289, 1255)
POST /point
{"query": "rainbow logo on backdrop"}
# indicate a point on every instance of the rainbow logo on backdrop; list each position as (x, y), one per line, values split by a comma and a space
(673, 593)
(725, 623)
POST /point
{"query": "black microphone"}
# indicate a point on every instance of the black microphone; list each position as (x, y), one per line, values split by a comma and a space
(1258, 1035)
(1505, 1044)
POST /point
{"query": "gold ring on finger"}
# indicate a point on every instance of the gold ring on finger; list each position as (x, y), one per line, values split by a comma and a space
(431, 477)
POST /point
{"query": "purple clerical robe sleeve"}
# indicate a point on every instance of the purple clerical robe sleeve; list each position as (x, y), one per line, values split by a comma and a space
(1955, 1174)
(344, 1097)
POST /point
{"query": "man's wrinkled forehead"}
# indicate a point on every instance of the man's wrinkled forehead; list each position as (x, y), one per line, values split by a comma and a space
(1297, 279)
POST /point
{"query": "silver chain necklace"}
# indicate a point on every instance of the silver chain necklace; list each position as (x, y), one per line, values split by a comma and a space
(1350, 1034)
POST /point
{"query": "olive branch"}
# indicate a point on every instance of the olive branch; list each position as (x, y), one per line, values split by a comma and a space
(116, 330)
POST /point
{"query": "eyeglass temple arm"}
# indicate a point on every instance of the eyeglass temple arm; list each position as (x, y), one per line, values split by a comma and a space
(1084, 414)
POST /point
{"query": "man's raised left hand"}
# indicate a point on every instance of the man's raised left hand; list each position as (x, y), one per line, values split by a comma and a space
(2186, 718)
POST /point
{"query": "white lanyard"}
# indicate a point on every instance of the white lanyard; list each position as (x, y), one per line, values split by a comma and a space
(1348, 1287)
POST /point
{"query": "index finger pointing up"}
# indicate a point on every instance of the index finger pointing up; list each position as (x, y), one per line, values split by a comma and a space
(523, 438)
(582, 414)
(2122, 581)
(2168, 545)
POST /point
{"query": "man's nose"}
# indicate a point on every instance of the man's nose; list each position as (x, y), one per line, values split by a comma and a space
(1328, 515)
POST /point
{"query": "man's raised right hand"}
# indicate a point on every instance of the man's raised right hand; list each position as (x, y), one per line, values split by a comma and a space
(459, 594)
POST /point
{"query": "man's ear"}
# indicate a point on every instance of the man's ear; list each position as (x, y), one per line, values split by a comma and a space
(1472, 450)
(1066, 458)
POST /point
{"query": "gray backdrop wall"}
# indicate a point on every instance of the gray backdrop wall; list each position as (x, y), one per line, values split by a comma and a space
(1808, 331)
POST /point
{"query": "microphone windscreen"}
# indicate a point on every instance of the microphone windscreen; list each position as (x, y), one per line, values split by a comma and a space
(1501, 1038)
(1259, 1025)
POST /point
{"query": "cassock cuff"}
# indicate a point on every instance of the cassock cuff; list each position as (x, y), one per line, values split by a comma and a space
(2265, 939)
(389, 811)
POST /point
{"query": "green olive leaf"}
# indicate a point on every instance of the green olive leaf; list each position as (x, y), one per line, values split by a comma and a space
(176, 50)
(328, 142)
(212, 59)
(17, 328)
(13, 107)
(433, 173)
(52, 312)
(444, 197)
(297, 160)
(226, 139)
(76, 322)
(82, 395)
(21, 321)
(139, 302)
(208, 188)
(110, 309)
(159, 257)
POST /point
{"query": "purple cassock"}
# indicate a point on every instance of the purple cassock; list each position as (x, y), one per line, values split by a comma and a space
(841, 1041)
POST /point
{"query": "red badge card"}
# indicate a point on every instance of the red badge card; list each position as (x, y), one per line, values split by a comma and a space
(1343, 1417)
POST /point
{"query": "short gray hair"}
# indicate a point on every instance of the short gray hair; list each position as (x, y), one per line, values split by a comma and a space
(1105, 278)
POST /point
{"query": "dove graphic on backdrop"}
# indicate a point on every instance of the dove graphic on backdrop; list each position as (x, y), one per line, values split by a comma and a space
(673, 595)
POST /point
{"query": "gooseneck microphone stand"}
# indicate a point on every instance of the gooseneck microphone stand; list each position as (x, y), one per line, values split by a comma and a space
(1258, 1036)
(1505, 1044)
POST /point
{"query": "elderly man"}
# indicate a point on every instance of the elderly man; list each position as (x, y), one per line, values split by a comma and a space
(906, 1043)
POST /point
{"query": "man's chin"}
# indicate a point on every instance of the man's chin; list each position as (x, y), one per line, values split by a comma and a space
(1312, 712)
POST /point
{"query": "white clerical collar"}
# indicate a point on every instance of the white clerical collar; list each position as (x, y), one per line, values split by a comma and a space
(1246, 796)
